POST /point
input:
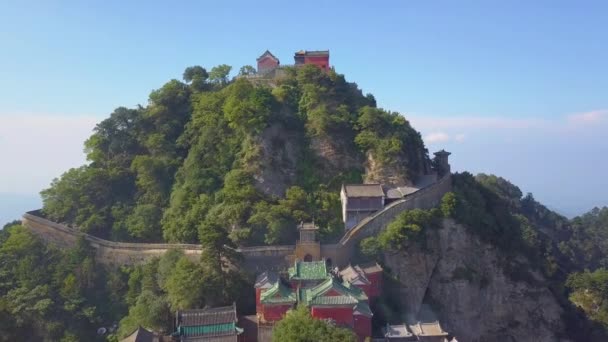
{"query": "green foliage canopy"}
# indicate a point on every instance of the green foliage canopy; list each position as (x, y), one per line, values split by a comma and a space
(299, 326)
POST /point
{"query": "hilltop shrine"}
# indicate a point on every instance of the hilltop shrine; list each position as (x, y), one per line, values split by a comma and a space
(268, 63)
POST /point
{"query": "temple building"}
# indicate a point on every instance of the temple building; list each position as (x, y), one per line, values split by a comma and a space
(366, 277)
(360, 201)
(267, 62)
(341, 297)
(269, 66)
(318, 58)
(142, 334)
(423, 332)
(429, 332)
(398, 333)
(216, 325)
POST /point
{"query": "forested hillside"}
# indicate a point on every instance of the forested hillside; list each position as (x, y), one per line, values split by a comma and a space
(256, 159)
(228, 163)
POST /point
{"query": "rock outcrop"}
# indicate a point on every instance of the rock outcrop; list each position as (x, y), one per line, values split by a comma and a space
(464, 282)
(333, 155)
(275, 168)
(391, 176)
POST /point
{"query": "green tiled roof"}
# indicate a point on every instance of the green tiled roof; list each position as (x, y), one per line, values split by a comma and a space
(364, 309)
(278, 294)
(308, 270)
(348, 295)
(205, 330)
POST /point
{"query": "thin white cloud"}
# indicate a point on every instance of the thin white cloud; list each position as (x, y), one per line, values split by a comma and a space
(447, 130)
(460, 137)
(442, 122)
(443, 137)
(36, 148)
(436, 137)
(589, 117)
(445, 124)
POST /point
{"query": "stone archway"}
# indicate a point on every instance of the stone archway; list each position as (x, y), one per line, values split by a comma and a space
(308, 257)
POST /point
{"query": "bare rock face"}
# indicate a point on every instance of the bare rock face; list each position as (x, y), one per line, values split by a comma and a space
(333, 155)
(395, 175)
(275, 166)
(463, 280)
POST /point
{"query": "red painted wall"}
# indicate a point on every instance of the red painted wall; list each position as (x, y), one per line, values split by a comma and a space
(342, 315)
(273, 313)
(267, 63)
(320, 61)
(258, 304)
(375, 288)
(363, 326)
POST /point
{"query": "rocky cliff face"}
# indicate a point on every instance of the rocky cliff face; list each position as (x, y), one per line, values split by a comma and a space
(464, 282)
(395, 175)
(275, 168)
(334, 155)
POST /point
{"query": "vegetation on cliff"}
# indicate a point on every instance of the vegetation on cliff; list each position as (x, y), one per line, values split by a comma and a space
(530, 239)
(299, 326)
(48, 294)
(200, 152)
(226, 163)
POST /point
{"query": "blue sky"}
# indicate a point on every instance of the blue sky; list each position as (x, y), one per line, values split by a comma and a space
(516, 88)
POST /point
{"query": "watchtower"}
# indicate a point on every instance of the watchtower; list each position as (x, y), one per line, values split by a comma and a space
(308, 247)
(441, 162)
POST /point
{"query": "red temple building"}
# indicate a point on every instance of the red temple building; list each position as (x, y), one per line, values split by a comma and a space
(318, 58)
(342, 298)
(366, 277)
(267, 62)
(270, 66)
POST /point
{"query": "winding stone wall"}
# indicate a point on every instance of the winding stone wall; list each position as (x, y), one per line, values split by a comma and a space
(425, 198)
(113, 253)
(256, 259)
(106, 252)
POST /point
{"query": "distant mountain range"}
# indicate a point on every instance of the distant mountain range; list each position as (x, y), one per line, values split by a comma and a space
(12, 206)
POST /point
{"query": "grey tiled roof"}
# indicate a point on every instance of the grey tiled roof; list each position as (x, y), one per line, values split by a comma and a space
(400, 192)
(313, 53)
(427, 329)
(267, 53)
(220, 315)
(397, 331)
(363, 190)
(140, 335)
(371, 267)
(266, 278)
(353, 273)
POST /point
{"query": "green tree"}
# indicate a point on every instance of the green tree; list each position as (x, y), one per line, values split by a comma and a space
(247, 70)
(589, 291)
(197, 77)
(448, 204)
(186, 286)
(219, 74)
(150, 311)
(299, 326)
(407, 227)
(370, 247)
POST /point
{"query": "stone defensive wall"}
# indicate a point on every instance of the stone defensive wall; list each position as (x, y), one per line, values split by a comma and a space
(113, 253)
(106, 252)
(425, 198)
(266, 258)
(256, 258)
